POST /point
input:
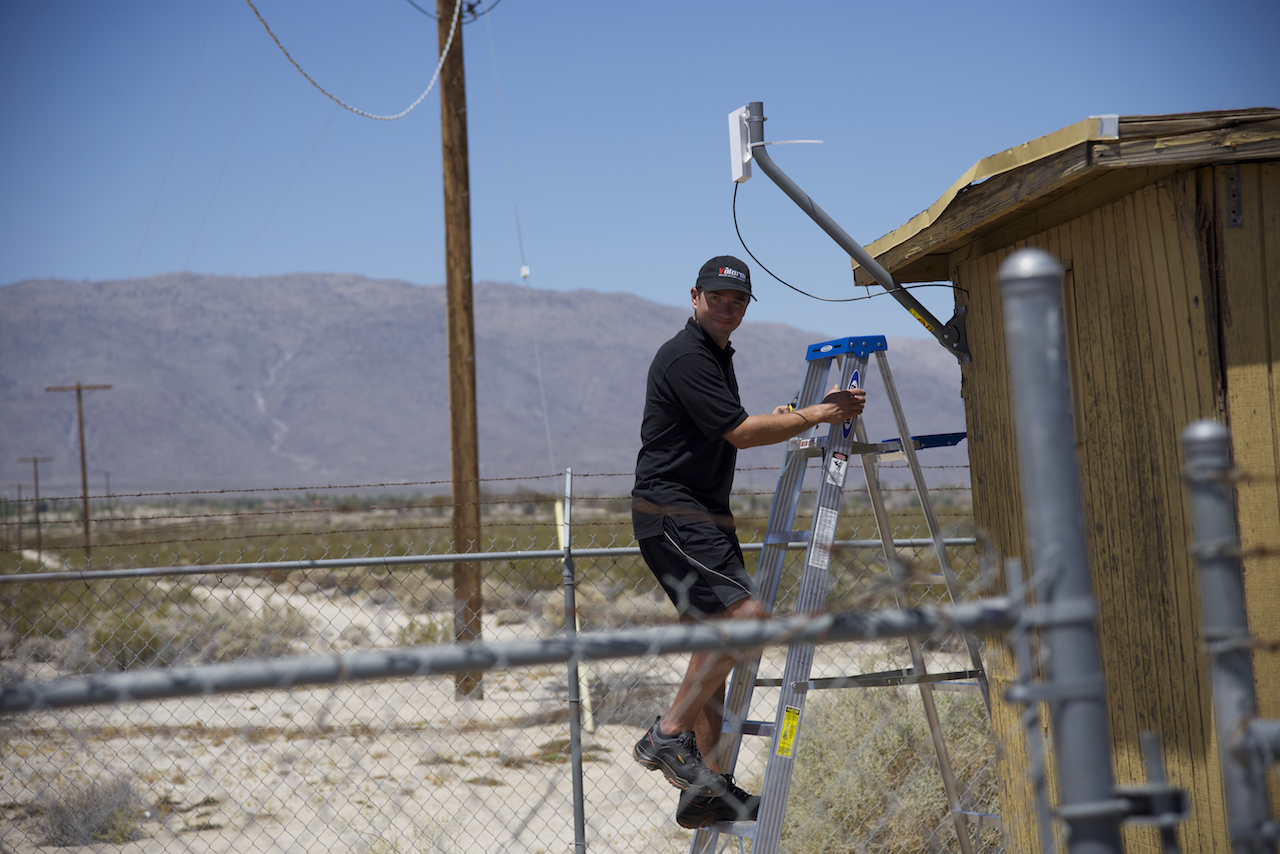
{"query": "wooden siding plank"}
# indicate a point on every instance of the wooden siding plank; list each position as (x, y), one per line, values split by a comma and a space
(1184, 712)
(1094, 313)
(1189, 231)
(1113, 552)
(996, 496)
(1248, 197)
(1188, 238)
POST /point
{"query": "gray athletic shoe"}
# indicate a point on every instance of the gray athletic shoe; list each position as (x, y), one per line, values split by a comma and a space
(680, 761)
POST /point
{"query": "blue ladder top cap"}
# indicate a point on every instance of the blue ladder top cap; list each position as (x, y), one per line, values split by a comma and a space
(861, 346)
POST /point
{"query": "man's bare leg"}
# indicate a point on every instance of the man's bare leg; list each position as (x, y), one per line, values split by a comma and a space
(699, 701)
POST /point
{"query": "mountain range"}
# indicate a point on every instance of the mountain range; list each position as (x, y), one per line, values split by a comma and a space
(317, 379)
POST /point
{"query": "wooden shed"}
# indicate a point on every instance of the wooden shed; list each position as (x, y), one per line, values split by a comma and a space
(1169, 230)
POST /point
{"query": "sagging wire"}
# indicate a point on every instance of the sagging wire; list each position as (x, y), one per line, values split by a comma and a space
(453, 29)
(815, 296)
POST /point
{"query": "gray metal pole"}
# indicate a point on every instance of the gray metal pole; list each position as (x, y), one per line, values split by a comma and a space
(1031, 287)
(985, 616)
(575, 697)
(951, 335)
(1226, 635)
(26, 578)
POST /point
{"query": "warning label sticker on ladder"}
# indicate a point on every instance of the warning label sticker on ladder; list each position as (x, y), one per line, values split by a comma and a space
(836, 469)
(787, 738)
(824, 534)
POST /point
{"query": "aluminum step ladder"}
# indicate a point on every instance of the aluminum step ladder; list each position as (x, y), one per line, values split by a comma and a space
(834, 450)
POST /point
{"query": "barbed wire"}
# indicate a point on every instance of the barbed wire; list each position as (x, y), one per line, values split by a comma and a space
(279, 535)
(285, 489)
(509, 497)
(453, 28)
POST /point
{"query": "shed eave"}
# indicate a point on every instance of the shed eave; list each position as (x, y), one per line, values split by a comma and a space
(1108, 155)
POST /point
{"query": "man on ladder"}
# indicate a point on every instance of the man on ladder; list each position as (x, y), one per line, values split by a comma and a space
(693, 426)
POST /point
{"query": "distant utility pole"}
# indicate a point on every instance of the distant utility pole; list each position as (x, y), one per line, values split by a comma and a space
(19, 486)
(35, 473)
(84, 474)
(465, 457)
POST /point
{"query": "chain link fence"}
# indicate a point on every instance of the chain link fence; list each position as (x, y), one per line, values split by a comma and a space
(407, 764)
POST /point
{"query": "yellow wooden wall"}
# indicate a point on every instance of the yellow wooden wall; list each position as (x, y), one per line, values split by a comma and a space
(1248, 201)
(1168, 300)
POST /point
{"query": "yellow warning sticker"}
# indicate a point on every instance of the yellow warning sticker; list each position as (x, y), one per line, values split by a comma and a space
(917, 316)
(787, 738)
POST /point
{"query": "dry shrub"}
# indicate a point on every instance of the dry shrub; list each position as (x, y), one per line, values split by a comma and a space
(866, 777)
(91, 812)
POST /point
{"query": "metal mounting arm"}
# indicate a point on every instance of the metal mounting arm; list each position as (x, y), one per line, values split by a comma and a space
(951, 335)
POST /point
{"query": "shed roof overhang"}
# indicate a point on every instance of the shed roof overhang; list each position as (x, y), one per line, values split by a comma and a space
(1034, 186)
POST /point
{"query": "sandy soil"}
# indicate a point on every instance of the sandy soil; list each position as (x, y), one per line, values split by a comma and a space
(395, 766)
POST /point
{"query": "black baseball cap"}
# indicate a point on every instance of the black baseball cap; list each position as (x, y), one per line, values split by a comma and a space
(725, 273)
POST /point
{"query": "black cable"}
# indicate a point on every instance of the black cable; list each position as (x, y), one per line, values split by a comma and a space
(815, 296)
(469, 10)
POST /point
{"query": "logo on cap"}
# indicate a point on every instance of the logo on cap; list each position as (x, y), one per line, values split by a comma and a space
(733, 274)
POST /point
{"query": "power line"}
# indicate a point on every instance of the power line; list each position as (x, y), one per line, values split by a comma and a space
(307, 159)
(815, 296)
(217, 184)
(164, 176)
(453, 28)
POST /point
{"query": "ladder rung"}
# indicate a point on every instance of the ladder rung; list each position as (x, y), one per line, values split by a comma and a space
(885, 679)
(959, 687)
(785, 537)
(932, 440)
(982, 819)
(929, 579)
(745, 829)
(809, 446)
(764, 728)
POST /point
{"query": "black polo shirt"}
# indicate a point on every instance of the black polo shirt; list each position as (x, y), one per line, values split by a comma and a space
(685, 466)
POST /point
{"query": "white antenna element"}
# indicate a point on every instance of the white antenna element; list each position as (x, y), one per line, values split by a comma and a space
(524, 271)
(739, 146)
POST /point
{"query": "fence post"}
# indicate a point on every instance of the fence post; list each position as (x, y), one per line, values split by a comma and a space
(575, 694)
(1216, 547)
(1031, 288)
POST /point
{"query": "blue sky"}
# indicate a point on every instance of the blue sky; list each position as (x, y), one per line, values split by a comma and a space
(149, 137)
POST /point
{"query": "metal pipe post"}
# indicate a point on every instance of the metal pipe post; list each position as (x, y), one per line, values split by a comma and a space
(951, 335)
(1031, 287)
(1226, 635)
(575, 695)
(985, 616)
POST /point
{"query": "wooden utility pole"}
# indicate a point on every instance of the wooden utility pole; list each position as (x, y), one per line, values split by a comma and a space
(465, 457)
(35, 473)
(84, 472)
(19, 516)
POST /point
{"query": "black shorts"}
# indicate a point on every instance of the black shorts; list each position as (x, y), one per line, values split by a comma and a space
(699, 565)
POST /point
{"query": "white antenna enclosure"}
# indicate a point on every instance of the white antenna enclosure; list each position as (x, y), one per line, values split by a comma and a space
(739, 146)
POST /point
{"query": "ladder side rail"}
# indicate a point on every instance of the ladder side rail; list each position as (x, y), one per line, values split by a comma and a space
(958, 814)
(931, 519)
(958, 819)
(813, 589)
(768, 575)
